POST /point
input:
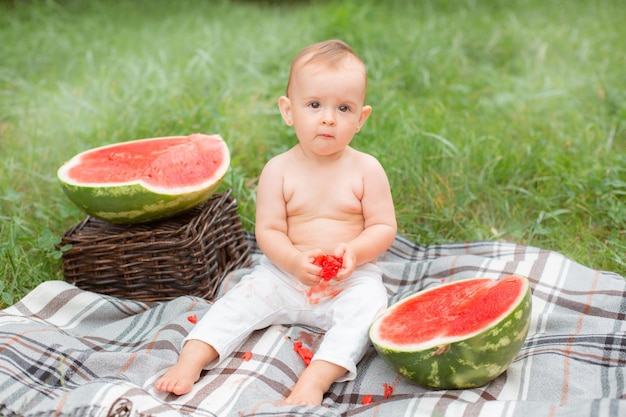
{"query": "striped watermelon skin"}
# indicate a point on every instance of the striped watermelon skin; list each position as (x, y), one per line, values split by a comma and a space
(130, 204)
(468, 362)
(141, 200)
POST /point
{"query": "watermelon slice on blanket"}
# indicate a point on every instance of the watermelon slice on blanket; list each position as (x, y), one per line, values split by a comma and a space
(458, 335)
(147, 179)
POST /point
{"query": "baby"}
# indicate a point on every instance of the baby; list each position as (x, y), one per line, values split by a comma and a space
(321, 197)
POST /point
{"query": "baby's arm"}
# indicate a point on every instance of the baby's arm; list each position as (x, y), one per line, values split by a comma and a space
(379, 220)
(271, 227)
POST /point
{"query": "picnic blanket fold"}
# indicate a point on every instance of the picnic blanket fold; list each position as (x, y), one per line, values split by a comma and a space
(69, 352)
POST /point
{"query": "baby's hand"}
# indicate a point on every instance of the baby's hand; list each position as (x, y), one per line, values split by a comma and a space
(345, 252)
(304, 269)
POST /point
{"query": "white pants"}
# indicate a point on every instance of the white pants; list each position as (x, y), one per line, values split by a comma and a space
(268, 295)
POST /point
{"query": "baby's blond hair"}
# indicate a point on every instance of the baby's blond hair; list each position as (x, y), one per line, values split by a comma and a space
(330, 52)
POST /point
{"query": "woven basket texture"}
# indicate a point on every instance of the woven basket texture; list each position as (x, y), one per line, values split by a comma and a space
(189, 254)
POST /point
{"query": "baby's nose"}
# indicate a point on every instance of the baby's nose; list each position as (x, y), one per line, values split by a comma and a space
(328, 118)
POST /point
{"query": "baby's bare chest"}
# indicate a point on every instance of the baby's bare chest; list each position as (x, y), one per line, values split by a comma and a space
(323, 195)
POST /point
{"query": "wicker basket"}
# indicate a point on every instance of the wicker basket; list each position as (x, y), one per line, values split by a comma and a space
(186, 255)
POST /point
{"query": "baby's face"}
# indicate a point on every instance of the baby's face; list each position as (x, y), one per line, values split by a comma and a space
(326, 105)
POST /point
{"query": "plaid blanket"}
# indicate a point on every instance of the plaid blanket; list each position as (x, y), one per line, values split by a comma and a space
(68, 352)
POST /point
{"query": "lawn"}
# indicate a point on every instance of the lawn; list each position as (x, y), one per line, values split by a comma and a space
(497, 120)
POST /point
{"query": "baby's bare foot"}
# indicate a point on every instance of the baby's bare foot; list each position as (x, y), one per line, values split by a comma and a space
(307, 391)
(302, 396)
(178, 380)
(313, 383)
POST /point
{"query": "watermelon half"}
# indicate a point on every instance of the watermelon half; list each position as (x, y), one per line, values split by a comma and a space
(145, 180)
(458, 335)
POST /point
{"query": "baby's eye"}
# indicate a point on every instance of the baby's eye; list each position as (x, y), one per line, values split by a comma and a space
(344, 108)
(315, 105)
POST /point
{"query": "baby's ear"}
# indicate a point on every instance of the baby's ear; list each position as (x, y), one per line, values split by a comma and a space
(284, 105)
(365, 113)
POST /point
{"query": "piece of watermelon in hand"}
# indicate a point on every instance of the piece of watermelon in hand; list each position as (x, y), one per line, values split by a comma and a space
(330, 266)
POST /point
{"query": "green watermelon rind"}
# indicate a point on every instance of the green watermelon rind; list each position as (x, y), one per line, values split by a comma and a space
(134, 201)
(468, 362)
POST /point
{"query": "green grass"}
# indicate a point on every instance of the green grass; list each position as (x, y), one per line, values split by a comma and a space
(494, 119)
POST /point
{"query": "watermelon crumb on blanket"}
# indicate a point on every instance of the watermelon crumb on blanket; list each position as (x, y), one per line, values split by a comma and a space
(304, 353)
(147, 179)
(458, 335)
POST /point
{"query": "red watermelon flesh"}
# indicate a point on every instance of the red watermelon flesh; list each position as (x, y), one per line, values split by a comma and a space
(177, 162)
(451, 311)
(330, 266)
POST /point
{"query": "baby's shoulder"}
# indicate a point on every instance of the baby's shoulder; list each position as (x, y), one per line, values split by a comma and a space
(364, 160)
(280, 160)
(279, 164)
